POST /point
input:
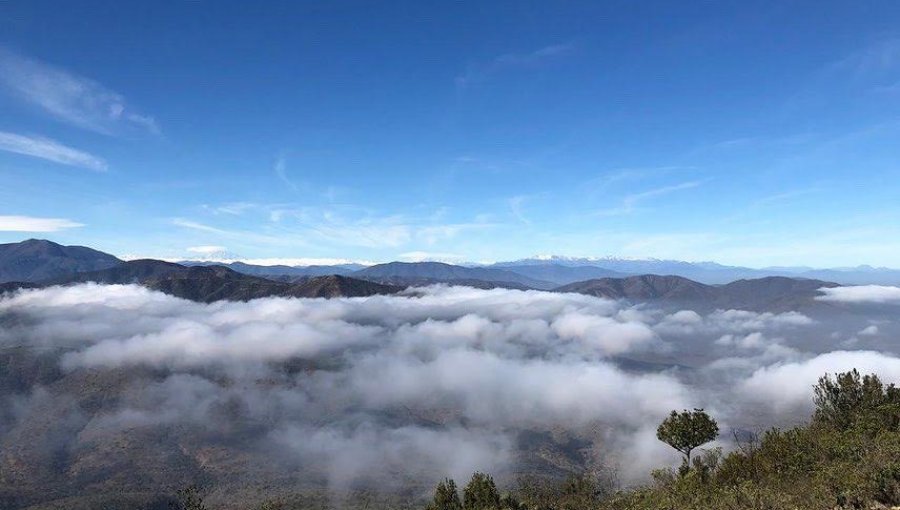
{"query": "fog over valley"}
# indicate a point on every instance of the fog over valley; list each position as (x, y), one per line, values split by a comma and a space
(141, 389)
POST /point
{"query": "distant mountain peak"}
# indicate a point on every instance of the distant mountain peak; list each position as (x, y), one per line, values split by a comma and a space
(34, 260)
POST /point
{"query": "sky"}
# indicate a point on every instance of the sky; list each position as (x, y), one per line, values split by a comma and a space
(750, 133)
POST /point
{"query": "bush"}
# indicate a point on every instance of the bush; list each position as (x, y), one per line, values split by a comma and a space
(848, 400)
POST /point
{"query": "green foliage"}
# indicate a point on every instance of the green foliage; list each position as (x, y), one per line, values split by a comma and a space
(687, 430)
(576, 492)
(848, 400)
(481, 493)
(848, 457)
(446, 497)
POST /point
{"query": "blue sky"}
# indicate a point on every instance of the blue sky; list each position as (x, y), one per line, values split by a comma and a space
(754, 133)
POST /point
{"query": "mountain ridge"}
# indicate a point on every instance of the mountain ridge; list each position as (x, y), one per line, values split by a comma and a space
(39, 259)
(772, 293)
(215, 283)
(210, 282)
(443, 272)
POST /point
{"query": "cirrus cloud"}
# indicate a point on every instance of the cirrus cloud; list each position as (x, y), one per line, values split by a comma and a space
(33, 224)
(50, 150)
(69, 97)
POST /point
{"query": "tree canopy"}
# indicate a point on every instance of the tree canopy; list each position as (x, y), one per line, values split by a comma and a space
(687, 430)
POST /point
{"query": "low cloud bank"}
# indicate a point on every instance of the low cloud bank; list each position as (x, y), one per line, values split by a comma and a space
(862, 294)
(438, 381)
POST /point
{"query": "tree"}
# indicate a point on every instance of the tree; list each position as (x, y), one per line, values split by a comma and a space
(848, 399)
(687, 430)
(446, 497)
(481, 493)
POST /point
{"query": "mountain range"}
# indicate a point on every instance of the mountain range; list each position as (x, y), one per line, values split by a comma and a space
(771, 293)
(214, 283)
(549, 272)
(37, 260)
(40, 263)
(413, 273)
(706, 272)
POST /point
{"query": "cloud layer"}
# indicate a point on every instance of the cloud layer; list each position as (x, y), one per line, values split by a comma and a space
(862, 294)
(438, 381)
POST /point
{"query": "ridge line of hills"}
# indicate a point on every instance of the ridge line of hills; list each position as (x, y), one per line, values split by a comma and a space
(36, 260)
(36, 263)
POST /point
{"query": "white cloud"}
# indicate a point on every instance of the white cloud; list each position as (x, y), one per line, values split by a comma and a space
(234, 208)
(206, 250)
(300, 261)
(71, 98)
(32, 224)
(861, 294)
(871, 330)
(689, 322)
(508, 61)
(425, 256)
(247, 236)
(882, 56)
(501, 360)
(788, 386)
(45, 148)
(630, 203)
(477, 367)
(281, 173)
(225, 258)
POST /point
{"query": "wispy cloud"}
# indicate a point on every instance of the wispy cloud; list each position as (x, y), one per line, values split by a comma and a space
(516, 205)
(335, 225)
(425, 256)
(433, 234)
(478, 73)
(657, 192)
(370, 233)
(45, 148)
(242, 236)
(71, 98)
(631, 202)
(785, 198)
(600, 185)
(193, 225)
(207, 250)
(232, 208)
(32, 224)
(781, 197)
(878, 57)
(281, 172)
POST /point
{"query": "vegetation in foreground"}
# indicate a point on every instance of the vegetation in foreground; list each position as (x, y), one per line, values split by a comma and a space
(847, 457)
